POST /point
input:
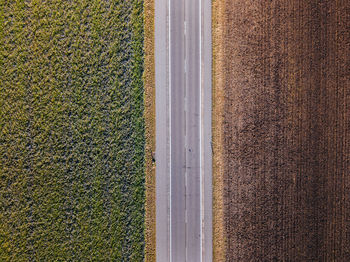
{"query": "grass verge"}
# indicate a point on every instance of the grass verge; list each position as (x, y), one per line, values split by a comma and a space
(149, 98)
(219, 237)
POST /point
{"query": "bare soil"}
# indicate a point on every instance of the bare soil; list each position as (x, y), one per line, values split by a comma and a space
(281, 130)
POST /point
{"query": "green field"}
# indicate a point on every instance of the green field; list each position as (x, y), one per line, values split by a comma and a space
(71, 130)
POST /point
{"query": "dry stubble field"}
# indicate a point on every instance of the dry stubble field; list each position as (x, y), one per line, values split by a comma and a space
(281, 130)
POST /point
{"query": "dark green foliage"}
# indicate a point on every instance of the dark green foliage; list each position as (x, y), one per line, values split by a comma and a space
(71, 130)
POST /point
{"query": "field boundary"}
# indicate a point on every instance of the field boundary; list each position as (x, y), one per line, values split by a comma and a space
(219, 238)
(149, 100)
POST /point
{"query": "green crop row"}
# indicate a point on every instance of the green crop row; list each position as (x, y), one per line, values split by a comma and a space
(71, 130)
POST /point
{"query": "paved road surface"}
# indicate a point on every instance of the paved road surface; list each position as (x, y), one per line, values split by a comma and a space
(183, 130)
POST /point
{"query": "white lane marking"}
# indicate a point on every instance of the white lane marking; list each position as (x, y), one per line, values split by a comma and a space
(185, 124)
(200, 133)
(169, 86)
(185, 28)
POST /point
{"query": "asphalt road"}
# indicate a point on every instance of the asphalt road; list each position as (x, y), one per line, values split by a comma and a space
(183, 130)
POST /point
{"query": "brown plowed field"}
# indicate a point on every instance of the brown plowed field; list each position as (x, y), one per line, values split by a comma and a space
(281, 130)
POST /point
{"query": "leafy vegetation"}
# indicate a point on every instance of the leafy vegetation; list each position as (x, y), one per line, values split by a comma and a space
(71, 130)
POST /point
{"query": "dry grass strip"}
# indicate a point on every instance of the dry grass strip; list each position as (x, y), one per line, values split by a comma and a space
(219, 236)
(149, 100)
